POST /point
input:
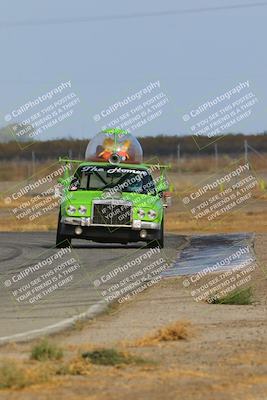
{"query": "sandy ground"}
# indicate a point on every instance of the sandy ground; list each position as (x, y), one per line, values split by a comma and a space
(225, 356)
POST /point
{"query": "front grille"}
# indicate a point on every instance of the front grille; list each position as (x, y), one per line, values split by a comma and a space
(112, 212)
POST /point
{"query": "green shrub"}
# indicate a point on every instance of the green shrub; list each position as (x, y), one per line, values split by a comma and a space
(242, 297)
(11, 376)
(111, 357)
(45, 350)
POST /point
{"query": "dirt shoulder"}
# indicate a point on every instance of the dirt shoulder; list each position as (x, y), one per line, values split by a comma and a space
(224, 357)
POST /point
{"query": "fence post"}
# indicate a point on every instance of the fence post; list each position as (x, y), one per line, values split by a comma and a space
(216, 155)
(179, 157)
(33, 162)
(246, 150)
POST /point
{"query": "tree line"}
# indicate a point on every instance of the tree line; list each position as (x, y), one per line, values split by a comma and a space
(161, 146)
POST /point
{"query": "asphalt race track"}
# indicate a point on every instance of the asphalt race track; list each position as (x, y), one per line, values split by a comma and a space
(44, 289)
(19, 251)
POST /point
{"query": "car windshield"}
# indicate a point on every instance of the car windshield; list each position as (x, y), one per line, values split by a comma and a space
(115, 178)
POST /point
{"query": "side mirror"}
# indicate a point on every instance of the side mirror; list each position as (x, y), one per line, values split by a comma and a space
(74, 183)
(162, 185)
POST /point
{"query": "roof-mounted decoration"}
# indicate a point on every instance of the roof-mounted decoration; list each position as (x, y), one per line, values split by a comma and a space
(114, 146)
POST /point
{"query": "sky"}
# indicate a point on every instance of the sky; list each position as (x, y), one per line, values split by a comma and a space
(191, 57)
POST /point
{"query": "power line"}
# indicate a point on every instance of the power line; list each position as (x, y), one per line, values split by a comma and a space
(56, 21)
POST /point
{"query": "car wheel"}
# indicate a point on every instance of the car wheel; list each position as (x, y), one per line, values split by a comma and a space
(62, 241)
(158, 242)
(161, 239)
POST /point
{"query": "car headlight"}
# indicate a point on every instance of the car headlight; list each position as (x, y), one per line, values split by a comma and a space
(82, 210)
(71, 209)
(152, 214)
(141, 213)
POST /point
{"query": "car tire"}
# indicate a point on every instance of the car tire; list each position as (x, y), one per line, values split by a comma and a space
(62, 241)
(161, 239)
(158, 242)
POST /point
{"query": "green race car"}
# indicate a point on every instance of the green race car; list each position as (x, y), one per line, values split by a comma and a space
(114, 200)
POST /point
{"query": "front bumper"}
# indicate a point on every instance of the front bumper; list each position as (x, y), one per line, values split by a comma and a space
(86, 221)
(109, 233)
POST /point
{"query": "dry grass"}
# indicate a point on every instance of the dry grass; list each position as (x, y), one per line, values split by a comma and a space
(9, 222)
(14, 171)
(179, 330)
(20, 170)
(14, 374)
(176, 221)
(239, 221)
(77, 366)
(251, 217)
